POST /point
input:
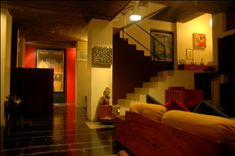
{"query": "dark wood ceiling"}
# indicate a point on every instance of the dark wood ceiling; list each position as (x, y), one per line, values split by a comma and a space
(183, 11)
(57, 21)
(171, 14)
(62, 23)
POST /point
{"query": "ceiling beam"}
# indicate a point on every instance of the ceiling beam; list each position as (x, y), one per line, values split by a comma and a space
(47, 44)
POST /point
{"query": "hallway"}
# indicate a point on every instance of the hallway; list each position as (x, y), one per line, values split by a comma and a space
(66, 133)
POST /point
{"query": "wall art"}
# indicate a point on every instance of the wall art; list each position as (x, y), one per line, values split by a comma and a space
(101, 56)
(189, 54)
(54, 59)
(162, 45)
(199, 40)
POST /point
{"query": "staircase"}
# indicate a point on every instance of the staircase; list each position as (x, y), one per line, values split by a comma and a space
(135, 75)
(131, 68)
(156, 87)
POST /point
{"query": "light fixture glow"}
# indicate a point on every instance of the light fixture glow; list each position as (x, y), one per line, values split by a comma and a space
(135, 17)
(211, 22)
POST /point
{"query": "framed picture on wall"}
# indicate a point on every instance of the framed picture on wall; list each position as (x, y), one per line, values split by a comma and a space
(55, 59)
(161, 43)
(199, 40)
(189, 54)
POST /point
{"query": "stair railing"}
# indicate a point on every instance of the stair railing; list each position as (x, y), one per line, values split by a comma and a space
(154, 38)
(138, 42)
(154, 56)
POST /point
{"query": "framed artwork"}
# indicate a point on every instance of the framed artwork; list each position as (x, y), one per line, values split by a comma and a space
(53, 58)
(102, 56)
(199, 40)
(189, 54)
(161, 44)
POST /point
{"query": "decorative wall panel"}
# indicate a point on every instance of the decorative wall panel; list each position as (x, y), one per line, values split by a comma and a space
(102, 56)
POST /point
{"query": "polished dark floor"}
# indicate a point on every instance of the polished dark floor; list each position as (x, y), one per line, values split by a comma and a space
(63, 134)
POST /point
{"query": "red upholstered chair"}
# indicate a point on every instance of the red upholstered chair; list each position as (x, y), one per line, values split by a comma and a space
(190, 98)
(107, 113)
(104, 112)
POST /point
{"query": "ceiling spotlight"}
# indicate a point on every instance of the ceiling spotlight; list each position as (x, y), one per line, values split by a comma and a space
(135, 16)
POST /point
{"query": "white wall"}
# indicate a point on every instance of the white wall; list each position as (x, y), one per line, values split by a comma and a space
(6, 25)
(81, 74)
(100, 33)
(185, 39)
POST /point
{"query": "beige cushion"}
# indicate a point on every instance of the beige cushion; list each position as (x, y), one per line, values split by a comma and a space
(150, 111)
(214, 127)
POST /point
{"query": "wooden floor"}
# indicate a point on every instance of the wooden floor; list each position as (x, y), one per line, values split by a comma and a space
(63, 134)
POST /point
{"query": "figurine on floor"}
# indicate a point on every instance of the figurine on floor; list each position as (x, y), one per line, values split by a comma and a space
(104, 100)
(104, 109)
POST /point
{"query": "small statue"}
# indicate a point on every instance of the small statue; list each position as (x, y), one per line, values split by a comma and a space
(104, 100)
(104, 109)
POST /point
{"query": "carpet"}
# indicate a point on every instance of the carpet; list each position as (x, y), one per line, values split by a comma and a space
(98, 125)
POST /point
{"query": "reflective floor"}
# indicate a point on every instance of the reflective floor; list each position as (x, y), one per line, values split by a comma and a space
(63, 134)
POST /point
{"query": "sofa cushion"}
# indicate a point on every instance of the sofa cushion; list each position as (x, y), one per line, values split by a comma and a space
(152, 100)
(150, 111)
(214, 127)
(207, 108)
(174, 105)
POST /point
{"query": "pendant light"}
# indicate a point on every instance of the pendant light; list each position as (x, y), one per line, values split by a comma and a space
(135, 16)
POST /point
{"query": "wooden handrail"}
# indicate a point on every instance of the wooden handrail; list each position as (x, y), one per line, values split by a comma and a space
(150, 35)
(138, 42)
(155, 39)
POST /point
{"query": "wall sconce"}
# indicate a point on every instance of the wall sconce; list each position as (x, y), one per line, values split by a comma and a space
(135, 16)
(211, 22)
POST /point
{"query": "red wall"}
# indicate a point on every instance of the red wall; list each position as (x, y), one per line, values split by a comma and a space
(30, 62)
(70, 74)
(30, 57)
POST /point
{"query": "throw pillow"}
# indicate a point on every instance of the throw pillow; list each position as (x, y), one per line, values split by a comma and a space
(174, 105)
(207, 108)
(150, 111)
(150, 99)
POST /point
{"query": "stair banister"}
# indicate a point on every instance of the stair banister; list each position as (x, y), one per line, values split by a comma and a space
(145, 31)
(151, 36)
(138, 42)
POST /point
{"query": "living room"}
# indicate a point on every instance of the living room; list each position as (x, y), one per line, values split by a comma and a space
(182, 43)
(89, 81)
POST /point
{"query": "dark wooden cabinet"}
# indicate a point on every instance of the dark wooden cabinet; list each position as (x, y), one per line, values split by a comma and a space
(226, 58)
(35, 88)
(226, 54)
(202, 81)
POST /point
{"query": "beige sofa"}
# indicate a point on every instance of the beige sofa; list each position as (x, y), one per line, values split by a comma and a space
(149, 129)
